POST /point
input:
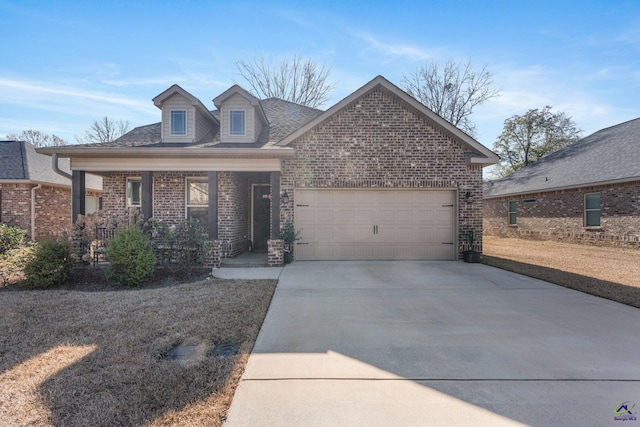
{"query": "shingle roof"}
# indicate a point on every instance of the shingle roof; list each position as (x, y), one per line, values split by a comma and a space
(19, 161)
(609, 155)
(137, 137)
(284, 117)
(12, 160)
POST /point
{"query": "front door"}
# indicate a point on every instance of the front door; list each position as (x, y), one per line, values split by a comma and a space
(260, 216)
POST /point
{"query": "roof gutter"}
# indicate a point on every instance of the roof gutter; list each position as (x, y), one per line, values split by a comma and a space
(161, 152)
(56, 168)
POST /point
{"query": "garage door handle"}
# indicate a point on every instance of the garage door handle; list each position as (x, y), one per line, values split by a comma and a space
(306, 206)
(447, 243)
(447, 206)
(299, 243)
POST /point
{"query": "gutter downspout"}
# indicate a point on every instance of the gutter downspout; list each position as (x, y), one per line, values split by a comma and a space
(56, 169)
(33, 211)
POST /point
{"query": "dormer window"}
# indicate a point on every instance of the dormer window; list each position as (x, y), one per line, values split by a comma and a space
(178, 122)
(236, 122)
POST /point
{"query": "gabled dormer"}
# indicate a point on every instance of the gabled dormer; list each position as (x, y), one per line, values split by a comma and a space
(184, 118)
(241, 116)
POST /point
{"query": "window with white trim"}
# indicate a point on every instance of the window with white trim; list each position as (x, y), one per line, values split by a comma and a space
(592, 210)
(178, 122)
(134, 192)
(513, 212)
(197, 199)
(237, 122)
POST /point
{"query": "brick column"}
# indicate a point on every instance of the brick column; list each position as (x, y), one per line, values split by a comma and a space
(275, 254)
(213, 252)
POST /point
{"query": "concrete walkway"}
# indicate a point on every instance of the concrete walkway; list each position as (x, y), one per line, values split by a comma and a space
(436, 344)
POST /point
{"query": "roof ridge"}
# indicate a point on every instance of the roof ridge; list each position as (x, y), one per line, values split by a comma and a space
(613, 126)
(290, 102)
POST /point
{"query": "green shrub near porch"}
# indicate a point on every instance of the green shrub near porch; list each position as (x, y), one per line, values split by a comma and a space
(51, 265)
(131, 259)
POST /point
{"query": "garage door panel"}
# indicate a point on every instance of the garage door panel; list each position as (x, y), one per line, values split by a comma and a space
(375, 224)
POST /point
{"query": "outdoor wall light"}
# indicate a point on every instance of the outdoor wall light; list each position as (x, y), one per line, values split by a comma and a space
(284, 197)
(467, 196)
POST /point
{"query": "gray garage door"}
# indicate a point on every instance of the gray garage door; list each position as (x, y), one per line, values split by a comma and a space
(354, 224)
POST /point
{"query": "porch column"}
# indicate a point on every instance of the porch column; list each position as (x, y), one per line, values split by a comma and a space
(275, 205)
(77, 195)
(212, 214)
(147, 195)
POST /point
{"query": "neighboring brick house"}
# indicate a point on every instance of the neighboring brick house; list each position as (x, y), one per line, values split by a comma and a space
(34, 197)
(586, 192)
(376, 176)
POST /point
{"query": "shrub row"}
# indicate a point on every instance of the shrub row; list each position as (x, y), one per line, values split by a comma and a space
(132, 254)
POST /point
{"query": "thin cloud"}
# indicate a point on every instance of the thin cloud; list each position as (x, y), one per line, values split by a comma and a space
(166, 81)
(395, 50)
(34, 94)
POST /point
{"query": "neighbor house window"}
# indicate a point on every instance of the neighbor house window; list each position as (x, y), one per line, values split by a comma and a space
(592, 210)
(134, 192)
(236, 122)
(178, 122)
(198, 199)
(513, 210)
(91, 205)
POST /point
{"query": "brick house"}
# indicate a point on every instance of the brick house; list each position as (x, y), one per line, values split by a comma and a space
(376, 176)
(34, 197)
(586, 192)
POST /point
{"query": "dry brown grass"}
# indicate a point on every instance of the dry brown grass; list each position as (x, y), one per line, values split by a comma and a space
(78, 358)
(612, 273)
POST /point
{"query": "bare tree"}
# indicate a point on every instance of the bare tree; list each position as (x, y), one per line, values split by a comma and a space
(295, 79)
(451, 90)
(105, 130)
(37, 138)
(528, 138)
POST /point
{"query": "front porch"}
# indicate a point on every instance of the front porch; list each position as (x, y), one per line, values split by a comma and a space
(246, 260)
(240, 210)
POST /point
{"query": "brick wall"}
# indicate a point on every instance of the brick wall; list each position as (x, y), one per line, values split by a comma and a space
(379, 142)
(53, 211)
(114, 199)
(169, 203)
(233, 212)
(560, 216)
(52, 208)
(16, 205)
(168, 195)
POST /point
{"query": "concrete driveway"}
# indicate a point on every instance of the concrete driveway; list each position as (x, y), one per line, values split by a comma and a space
(437, 344)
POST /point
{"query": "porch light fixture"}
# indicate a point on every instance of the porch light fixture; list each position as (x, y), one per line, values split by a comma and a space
(467, 196)
(284, 197)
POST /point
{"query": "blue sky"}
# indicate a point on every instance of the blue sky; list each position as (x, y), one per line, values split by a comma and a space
(68, 63)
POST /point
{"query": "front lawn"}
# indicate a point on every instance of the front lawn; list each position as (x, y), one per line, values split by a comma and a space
(78, 358)
(612, 273)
